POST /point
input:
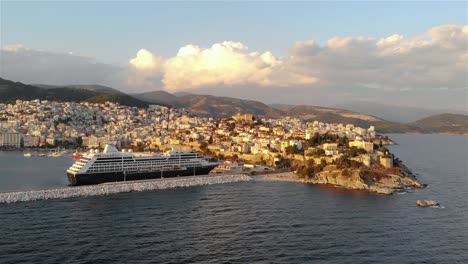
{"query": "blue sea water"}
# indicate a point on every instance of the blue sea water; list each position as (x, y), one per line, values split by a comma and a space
(248, 222)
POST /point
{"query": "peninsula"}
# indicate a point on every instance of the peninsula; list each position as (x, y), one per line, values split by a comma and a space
(356, 164)
(329, 153)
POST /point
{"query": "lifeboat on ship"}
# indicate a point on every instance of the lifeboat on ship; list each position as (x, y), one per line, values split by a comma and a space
(76, 156)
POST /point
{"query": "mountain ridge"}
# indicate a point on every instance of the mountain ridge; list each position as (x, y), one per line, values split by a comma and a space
(11, 91)
(222, 107)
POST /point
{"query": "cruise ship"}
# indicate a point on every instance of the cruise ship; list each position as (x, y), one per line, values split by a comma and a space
(113, 165)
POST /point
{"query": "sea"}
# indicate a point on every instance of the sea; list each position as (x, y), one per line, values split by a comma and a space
(247, 222)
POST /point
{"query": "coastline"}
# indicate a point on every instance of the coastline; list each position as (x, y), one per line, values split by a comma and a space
(390, 184)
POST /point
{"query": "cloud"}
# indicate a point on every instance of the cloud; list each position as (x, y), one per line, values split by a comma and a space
(20, 63)
(145, 60)
(14, 48)
(436, 58)
(223, 64)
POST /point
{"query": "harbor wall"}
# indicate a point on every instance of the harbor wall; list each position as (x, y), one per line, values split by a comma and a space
(119, 187)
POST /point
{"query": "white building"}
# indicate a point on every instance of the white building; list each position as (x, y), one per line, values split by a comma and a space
(330, 148)
(10, 139)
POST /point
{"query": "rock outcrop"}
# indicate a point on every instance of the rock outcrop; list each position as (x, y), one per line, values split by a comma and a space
(427, 203)
(371, 181)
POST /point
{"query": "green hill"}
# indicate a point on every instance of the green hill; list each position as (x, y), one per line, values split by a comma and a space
(12, 91)
(157, 97)
(96, 88)
(120, 98)
(444, 123)
(216, 106)
(382, 126)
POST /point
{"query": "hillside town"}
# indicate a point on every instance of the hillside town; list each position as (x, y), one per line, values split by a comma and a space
(48, 124)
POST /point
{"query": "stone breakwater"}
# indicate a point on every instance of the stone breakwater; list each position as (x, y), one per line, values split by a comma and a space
(118, 187)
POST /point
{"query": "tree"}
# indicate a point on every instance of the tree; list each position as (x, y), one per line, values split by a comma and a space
(79, 141)
(283, 163)
(319, 152)
(384, 150)
(203, 146)
(343, 141)
(289, 150)
(231, 126)
(355, 151)
(345, 172)
(323, 162)
(343, 162)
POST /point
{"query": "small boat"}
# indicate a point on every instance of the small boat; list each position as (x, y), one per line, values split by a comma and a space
(27, 154)
(42, 155)
(57, 153)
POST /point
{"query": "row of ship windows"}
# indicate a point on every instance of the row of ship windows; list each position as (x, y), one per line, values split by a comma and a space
(119, 169)
(144, 163)
(146, 160)
(141, 166)
(158, 157)
(138, 164)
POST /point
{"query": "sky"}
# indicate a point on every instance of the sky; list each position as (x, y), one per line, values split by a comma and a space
(313, 52)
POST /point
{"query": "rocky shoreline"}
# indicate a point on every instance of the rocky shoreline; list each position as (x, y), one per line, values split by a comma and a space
(356, 180)
(361, 180)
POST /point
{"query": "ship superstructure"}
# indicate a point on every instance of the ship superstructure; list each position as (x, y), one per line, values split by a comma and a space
(113, 165)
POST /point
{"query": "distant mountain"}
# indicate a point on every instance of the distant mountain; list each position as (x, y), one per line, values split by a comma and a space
(157, 97)
(311, 112)
(120, 98)
(45, 86)
(443, 123)
(282, 106)
(218, 107)
(402, 114)
(381, 125)
(214, 106)
(96, 88)
(90, 87)
(11, 91)
(179, 94)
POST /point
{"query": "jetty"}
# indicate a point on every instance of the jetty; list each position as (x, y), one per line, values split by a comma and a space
(119, 187)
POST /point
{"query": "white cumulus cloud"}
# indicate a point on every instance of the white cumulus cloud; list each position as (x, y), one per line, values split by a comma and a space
(430, 61)
(436, 58)
(145, 60)
(223, 64)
